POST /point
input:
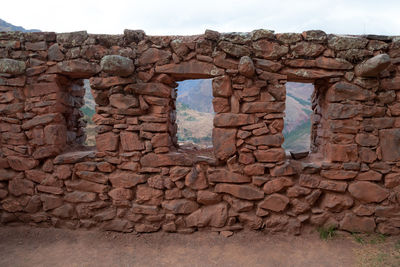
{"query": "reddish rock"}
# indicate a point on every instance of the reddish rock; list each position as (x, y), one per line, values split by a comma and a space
(234, 49)
(224, 176)
(177, 173)
(364, 210)
(120, 194)
(180, 206)
(131, 141)
(267, 107)
(152, 55)
(78, 68)
(50, 201)
(65, 211)
(275, 202)
(369, 176)
(389, 140)
(117, 65)
(270, 155)
(126, 179)
(353, 223)
(346, 42)
(18, 187)
(96, 177)
(196, 179)
(269, 50)
(54, 53)
(119, 225)
(224, 142)
(6, 174)
(161, 140)
(86, 186)
(336, 202)
(169, 159)
(333, 186)
(368, 192)
(309, 74)
(277, 185)
(11, 205)
(146, 228)
(145, 193)
(191, 69)
(333, 63)
(342, 153)
(22, 164)
(267, 65)
(365, 139)
(122, 101)
(373, 66)
(240, 191)
(306, 49)
(346, 91)
(297, 191)
(283, 170)
(343, 111)
(214, 216)
(367, 155)
(299, 207)
(145, 209)
(392, 180)
(232, 120)
(12, 66)
(339, 174)
(73, 157)
(78, 196)
(107, 142)
(50, 189)
(222, 86)
(62, 172)
(106, 82)
(254, 169)
(246, 67)
(221, 104)
(208, 197)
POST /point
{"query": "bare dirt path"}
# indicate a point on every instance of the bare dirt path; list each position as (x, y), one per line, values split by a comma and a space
(25, 246)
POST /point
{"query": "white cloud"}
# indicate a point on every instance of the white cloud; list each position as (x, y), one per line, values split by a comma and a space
(193, 17)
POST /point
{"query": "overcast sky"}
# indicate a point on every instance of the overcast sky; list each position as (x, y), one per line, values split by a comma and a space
(168, 17)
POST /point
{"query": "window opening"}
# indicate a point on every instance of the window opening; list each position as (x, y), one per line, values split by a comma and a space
(88, 110)
(195, 112)
(297, 122)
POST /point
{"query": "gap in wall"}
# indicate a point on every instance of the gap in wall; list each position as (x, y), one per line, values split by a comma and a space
(88, 110)
(195, 112)
(297, 127)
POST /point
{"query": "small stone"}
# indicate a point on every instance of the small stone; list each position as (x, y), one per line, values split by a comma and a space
(226, 233)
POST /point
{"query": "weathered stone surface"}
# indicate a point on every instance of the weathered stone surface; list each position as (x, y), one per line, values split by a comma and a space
(121, 101)
(72, 39)
(12, 66)
(389, 142)
(73, 157)
(126, 179)
(234, 49)
(309, 74)
(117, 65)
(353, 223)
(131, 141)
(7, 174)
(146, 228)
(240, 191)
(50, 201)
(169, 159)
(153, 89)
(373, 66)
(152, 55)
(107, 142)
(119, 225)
(190, 69)
(180, 206)
(85, 186)
(232, 119)
(342, 153)
(275, 140)
(196, 179)
(364, 139)
(222, 86)
(346, 42)
(346, 91)
(78, 196)
(214, 216)
(336, 202)
(208, 197)
(96, 177)
(54, 53)
(78, 68)
(338, 174)
(267, 65)
(269, 50)
(368, 192)
(18, 187)
(225, 176)
(392, 180)
(267, 107)
(333, 63)
(42, 120)
(224, 142)
(277, 184)
(22, 164)
(270, 155)
(275, 202)
(120, 194)
(246, 67)
(333, 186)
(307, 49)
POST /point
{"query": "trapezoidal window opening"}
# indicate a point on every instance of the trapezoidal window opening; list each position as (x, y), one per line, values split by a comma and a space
(297, 122)
(194, 113)
(88, 137)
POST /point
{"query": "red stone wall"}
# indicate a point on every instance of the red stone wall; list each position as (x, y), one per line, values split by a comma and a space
(138, 179)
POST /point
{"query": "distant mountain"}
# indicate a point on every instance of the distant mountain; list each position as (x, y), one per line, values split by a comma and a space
(197, 94)
(7, 27)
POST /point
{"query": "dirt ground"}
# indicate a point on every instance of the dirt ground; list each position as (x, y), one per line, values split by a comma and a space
(25, 246)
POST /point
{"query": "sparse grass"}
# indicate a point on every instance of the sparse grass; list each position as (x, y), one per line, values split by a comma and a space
(358, 238)
(327, 233)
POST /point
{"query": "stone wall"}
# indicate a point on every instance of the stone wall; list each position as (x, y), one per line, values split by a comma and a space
(138, 179)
